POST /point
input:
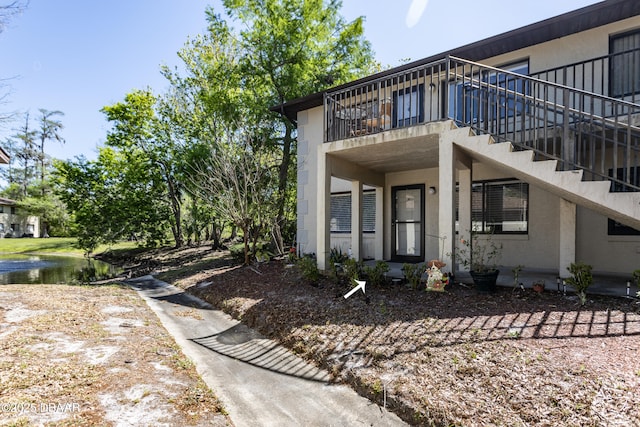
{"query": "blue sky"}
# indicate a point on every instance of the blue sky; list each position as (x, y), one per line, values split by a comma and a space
(77, 56)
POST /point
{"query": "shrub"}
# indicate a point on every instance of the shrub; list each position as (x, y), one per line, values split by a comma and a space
(309, 268)
(352, 270)
(413, 273)
(237, 252)
(636, 279)
(581, 278)
(376, 274)
(336, 261)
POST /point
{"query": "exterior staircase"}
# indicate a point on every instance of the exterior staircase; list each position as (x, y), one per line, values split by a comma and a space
(623, 207)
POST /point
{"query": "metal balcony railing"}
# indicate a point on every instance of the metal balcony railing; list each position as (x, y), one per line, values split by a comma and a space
(594, 75)
(579, 128)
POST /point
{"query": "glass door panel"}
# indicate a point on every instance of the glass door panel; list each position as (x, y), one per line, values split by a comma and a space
(408, 223)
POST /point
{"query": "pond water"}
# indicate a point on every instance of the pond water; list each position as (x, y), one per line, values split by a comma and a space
(51, 269)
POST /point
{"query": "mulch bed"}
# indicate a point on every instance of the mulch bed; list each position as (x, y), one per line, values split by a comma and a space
(514, 358)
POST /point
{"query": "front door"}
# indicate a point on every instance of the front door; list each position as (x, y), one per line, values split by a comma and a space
(408, 223)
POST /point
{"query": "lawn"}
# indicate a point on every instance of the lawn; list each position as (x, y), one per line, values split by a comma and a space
(52, 245)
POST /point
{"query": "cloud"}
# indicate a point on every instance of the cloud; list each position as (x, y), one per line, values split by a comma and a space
(415, 12)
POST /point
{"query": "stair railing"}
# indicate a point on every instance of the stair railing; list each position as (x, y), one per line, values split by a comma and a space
(580, 129)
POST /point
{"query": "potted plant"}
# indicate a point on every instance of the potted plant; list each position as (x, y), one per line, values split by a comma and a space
(538, 286)
(480, 254)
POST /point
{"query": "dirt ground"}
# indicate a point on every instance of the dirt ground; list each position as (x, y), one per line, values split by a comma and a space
(98, 356)
(514, 358)
(94, 356)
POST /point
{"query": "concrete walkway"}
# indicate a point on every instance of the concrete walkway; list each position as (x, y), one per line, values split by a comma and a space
(611, 285)
(259, 382)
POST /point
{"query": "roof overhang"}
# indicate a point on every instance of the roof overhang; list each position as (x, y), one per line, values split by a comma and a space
(4, 156)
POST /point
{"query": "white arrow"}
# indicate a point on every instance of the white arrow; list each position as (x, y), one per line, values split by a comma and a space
(360, 283)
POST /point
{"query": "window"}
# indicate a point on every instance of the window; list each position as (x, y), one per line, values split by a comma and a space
(489, 95)
(15, 228)
(500, 207)
(625, 64)
(614, 227)
(13, 210)
(369, 211)
(341, 212)
(408, 106)
(1, 209)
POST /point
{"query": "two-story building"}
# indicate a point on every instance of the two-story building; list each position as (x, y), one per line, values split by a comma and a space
(13, 223)
(532, 135)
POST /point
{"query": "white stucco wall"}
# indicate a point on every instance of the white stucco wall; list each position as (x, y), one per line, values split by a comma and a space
(567, 50)
(6, 219)
(310, 136)
(540, 247)
(615, 254)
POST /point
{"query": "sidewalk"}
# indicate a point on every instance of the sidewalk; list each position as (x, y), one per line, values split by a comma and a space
(259, 382)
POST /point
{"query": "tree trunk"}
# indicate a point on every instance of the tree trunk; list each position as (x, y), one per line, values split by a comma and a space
(215, 235)
(176, 209)
(245, 239)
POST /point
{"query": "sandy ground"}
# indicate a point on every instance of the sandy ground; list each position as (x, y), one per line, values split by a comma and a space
(78, 355)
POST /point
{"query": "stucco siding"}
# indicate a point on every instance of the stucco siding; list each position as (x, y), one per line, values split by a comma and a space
(310, 136)
(539, 248)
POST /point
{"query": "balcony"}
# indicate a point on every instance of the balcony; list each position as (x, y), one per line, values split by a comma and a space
(562, 114)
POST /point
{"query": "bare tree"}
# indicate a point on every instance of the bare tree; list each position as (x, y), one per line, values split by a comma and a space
(238, 181)
(8, 10)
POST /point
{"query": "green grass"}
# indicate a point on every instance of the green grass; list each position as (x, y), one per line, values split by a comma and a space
(52, 245)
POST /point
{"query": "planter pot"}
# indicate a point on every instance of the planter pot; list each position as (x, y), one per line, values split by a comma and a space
(538, 287)
(485, 282)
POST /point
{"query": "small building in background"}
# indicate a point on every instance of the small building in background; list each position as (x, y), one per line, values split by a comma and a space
(13, 223)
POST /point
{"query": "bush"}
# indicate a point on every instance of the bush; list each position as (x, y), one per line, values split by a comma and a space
(336, 261)
(581, 278)
(413, 273)
(352, 270)
(309, 268)
(636, 279)
(376, 274)
(263, 252)
(237, 252)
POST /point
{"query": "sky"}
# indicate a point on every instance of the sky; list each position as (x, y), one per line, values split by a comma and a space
(77, 56)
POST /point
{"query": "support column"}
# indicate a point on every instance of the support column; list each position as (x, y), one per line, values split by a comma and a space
(356, 220)
(567, 237)
(323, 237)
(453, 165)
(446, 201)
(465, 226)
(379, 239)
